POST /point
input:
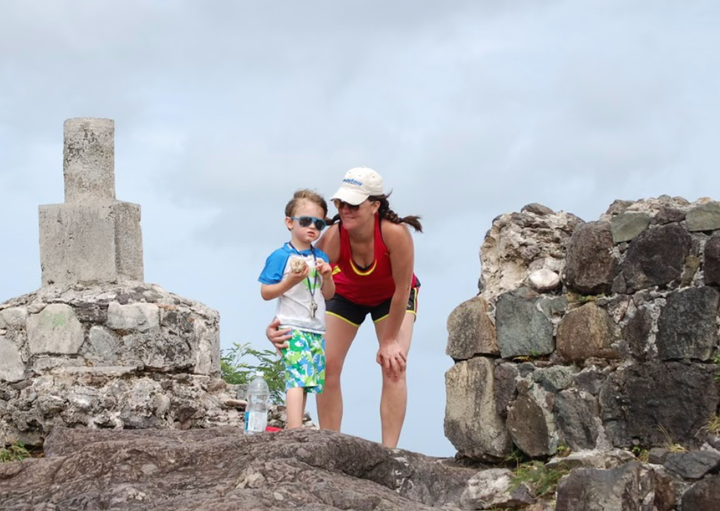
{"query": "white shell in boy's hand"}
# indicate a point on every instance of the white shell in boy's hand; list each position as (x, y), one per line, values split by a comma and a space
(297, 264)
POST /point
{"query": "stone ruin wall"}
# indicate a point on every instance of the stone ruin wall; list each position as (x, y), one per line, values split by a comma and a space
(96, 346)
(589, 336)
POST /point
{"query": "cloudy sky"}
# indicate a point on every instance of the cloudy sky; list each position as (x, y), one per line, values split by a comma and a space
(469, 109)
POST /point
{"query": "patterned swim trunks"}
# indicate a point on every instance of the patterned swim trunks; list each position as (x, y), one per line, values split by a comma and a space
(304, 361)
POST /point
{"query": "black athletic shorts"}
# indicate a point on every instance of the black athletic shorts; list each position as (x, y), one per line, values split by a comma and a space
(355, 314)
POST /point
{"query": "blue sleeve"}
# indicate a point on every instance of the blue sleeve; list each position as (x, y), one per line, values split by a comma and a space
(322, 255)
(274, 267)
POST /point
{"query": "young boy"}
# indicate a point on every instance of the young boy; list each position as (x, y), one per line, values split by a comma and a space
(300, 277)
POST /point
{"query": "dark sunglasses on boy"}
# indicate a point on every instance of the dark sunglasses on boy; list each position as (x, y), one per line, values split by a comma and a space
(306, 221)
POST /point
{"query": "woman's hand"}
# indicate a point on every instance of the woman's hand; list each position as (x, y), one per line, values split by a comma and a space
(392, 358)
(279, 338)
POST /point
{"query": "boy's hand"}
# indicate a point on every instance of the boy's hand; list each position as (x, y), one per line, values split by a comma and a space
(325, 269)
(296, 278)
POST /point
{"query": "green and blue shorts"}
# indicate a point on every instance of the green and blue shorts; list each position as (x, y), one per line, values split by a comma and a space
(304, 361)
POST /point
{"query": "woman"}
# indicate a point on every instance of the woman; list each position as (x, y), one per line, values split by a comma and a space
(372, 254)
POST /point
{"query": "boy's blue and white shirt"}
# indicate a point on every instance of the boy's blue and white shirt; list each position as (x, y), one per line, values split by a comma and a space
(293, 308)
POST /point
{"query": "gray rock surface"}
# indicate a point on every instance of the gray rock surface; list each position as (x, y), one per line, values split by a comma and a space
(590, 265)
(712, 261)
(492, 488)
(627, 226)
(222, 469)
(687, 327)
(692, 465)
(703, 495)
(656, 257)
(472, 422)
(655, 404)
(470, 331)
(705, 217)
(522, 329)
(586, 332)
(624, 488)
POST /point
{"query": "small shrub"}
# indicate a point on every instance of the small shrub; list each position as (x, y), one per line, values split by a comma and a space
(236, 368)
(14, 452)
(643, 455)
(713, 425)
(538, 477)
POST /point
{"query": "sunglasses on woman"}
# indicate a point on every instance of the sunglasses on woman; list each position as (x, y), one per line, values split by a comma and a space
(339, 204)
(307, 221)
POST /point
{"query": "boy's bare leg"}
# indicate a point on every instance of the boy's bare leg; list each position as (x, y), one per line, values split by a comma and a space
(339, 335)
(295, 407)
(393, 401)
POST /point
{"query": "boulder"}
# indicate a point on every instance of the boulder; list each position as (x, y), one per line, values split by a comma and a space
(222, 469)
(687, 326)
(522, 329)
(472, 422)
(470, 331)
(656, 257)
(590, 265)
(586, 332)
(654, 404)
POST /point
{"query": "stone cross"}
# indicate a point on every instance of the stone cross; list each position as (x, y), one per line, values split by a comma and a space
(91, 238)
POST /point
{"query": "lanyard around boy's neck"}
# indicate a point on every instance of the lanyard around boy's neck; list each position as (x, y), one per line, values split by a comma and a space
(311, 287)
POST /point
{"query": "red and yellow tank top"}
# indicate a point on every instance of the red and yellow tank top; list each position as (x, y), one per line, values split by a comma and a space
(369, 286)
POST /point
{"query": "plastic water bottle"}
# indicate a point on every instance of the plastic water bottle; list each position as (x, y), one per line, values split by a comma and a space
(258, 395)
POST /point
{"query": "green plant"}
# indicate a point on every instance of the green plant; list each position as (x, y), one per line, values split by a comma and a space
(236, 368)
(713, 425)
(540, 479)
(14, 452)
(515, 457)
(669, 444)
(640, 453)
(717, 361)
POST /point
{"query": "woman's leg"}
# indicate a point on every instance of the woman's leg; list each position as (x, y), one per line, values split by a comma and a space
(393, 401)
(339, 335)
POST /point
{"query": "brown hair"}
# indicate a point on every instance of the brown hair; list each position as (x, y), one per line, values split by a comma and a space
(388, 214)
(308, 195)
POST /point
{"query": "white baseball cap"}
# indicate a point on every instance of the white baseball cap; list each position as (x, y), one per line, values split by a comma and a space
(359, 184)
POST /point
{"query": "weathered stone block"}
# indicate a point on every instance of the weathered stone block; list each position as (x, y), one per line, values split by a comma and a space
(87, 243)
(577, 417)
(505, 387)
(711, 263)
(544, 280)
(692, 465)
(637, 331)
(705, 217)
(528, 427)
(703, 495)
(12, 367)
(627, 226)
(659, 403)
(470, 331)
(89, 160)
(656, 257)
(14, 317)
(521, 328)
(54, 330)
(493, 488)
(585, 332)
(624, 488)
(133, 317)
(590, 266)
(472, 423)
(102, 348)
(687, 326)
